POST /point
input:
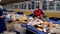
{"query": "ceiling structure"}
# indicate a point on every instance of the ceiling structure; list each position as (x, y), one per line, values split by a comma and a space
(3, 2)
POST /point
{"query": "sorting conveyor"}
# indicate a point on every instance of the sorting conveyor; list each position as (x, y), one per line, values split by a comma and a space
(33, 29)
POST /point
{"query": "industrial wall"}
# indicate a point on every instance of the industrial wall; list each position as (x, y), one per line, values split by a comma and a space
(51, 11)
(47, 13)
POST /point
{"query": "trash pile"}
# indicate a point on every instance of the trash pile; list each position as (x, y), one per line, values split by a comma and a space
(44, 26)
(39, 24)
(8, 32)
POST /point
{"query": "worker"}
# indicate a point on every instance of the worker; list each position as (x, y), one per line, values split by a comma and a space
(38, 12)
(2, 23)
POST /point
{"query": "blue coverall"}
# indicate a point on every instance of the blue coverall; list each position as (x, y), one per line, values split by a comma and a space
(2, 23)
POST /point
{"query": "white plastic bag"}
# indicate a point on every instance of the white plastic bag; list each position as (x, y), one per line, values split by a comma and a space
(6, 32)
(13, 18)
(7, 17)
(20, 29)
(35, 22)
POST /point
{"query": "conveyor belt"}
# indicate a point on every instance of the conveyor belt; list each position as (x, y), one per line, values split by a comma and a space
(33, 29)
(55, 22)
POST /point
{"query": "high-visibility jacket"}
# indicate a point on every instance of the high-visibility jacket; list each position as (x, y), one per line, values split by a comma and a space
(37, 12)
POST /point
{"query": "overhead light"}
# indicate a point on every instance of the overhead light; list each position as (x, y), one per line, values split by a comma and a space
(51, 0)
(0, 0)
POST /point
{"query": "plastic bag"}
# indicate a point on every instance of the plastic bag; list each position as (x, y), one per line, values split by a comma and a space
(23, 18)
(13, 18)
(7, 32)
(18, 28)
